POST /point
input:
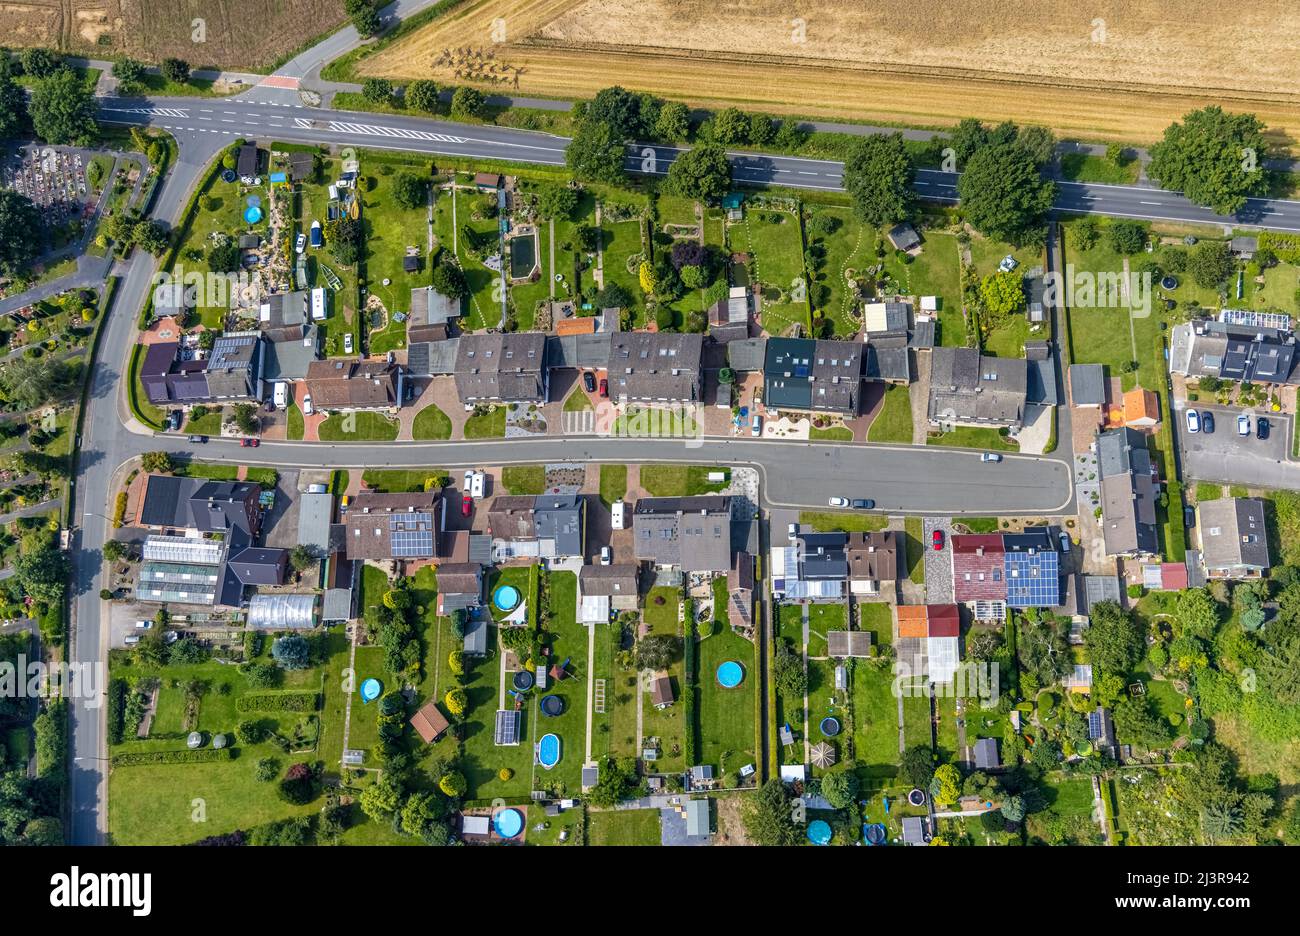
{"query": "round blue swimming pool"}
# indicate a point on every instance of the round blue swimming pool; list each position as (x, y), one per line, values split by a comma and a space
(506, 598)
(508, 823)
(252, 214)
(819, 832)
(371, 690)
(548, 750)
(730, 674)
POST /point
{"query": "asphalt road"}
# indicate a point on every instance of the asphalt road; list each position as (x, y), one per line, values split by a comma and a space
(210, 124)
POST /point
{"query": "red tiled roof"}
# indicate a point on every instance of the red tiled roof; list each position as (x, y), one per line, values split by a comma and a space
(945, 621)
(1173, 576)
(977, 568)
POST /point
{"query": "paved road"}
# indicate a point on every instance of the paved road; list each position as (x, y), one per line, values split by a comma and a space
(209, 124)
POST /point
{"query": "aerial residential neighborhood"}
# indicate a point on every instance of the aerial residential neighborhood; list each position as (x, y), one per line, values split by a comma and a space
(404, 447)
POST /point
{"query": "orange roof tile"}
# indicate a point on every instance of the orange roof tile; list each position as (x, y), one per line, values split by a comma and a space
(913, 621)
(583, 325)
(1140, 404)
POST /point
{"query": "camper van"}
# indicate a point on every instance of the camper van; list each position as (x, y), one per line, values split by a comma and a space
(318, 311)
(617, 512)
(280, 395)
(315, 233)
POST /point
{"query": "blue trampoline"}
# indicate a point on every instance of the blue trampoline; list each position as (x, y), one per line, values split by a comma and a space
(508, 823)
(371, 690)
(819, 832)
(730, 674)
(830, 727)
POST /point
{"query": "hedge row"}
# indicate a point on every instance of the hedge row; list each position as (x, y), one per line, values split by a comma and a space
(148, 758)
(278, 702)
(116, 710)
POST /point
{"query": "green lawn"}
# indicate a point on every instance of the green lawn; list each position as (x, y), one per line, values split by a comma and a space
(569, 641)
(613, 483)
(401, 480)
(680, 480)
(935, 272)
(357, 427)
(824, 522)
(848, 247)
(914, 531)
(391, 232)
(662, 618)
(295, 425)
(490, 425)
(833, 434)
(623, 827)
(974, 437)
(875, 721)
(1084, 167)
(431, 423)
(524, 479)
(622, 243)
(894, 421)
(208, 424)
(823, 618)
(727, 727)
(578, 401)
(877, 617)
(777, 251)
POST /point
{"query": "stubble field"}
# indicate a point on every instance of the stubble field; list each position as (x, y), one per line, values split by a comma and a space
(1119, 69)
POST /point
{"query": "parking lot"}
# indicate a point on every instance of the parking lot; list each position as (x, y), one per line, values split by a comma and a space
(1229, 458)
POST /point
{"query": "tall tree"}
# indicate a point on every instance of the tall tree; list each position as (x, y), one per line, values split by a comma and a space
(20, 232)
(878, 176)
(596, 152)
(13, 107)
(1214, 158)
(63, 110)
(702, 173)
(31, 383)
(1114, 639)
(1002, 193)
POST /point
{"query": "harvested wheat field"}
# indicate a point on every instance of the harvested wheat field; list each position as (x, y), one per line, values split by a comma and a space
(1121, 69)
(231, 34)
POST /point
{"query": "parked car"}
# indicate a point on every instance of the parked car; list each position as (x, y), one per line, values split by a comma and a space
(589, 381)
(347, 343)
(300, 243)
(250, 443)
(174, 420)
(757, 430)
(1261, 428)
(990, 457)
(1193, 421)
(280, 394)
(1065, 541)
(132, 640)
(306, 405)
(606, 555)
(1243, 424)
(198, 439)
(466, 505)
(864, 503)
(143, 625)
(1207, 422)
(839, 502)
(604, 387)
(468, 480)
(1008, 264)
(793, 530)
(936, 539)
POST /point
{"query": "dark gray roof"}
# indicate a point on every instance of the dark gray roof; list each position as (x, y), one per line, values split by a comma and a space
(922, 336)
(903, 236)
(509, 367)
(578, 350)
(1041, 389)
(693, 533)
(1088, 384)
(611, 580)
(969, 387)
(257, 565)
(815, 375)
(888, 362)
(433, 358)
(286, 309)
(290, 353)
(430, 307)
(476, 636)
(1127, 493)
(747, 355)
(986, 754)
(1233, 352)
(656, 366)
(559, 518)
(1101, 588)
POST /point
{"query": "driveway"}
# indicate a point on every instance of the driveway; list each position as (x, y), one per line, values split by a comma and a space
(1229, 458)
(938, 563)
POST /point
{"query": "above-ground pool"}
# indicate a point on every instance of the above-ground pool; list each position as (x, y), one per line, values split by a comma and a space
(730, 674)
(548, 750)
(508, 823)
(552, 705)
(819, 832)
(830, 726)
(522, 680)
(371, 690)
(506, 598)
(252, 214)
(874, 834)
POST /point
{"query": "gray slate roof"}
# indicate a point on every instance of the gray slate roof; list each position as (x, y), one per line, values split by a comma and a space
(1233, 536)
(692, 533)
(969, 387)
(1127, 493)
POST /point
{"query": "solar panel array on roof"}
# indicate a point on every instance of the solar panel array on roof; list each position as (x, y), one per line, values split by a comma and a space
(411, 535)
(1094, 726)
(1033, 579)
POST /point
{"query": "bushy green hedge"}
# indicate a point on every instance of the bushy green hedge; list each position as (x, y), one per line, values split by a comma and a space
(277, 702)
(149, 758)
(116, 710)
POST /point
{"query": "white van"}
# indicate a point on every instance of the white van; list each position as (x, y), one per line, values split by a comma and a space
(477, 485)
(280, 394)
(617, 515)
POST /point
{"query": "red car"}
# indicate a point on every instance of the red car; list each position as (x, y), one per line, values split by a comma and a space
(250, 443)
(604, 387)
(937, 539)
(466, 504)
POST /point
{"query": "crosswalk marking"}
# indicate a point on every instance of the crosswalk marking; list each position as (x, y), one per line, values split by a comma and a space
(399, 132)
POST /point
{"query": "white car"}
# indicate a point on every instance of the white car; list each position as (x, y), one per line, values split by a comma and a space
(758, 426)
(793, 530)
(839, 502)
(1008, 264)
(1243, 424)
(468, 481)
(347, 343)
(990, 457)
(143, 625)
(606, 555)
(1193, 421)
(306, 405)
(300, 243)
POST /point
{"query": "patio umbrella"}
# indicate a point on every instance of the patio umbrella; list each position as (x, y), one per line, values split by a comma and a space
(823, 755)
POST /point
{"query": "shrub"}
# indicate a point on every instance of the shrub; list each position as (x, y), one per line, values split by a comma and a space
(150, 758)
(291, 701)
(267, 770)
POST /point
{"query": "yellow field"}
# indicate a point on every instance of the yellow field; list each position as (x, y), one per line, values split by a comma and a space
(1121, 69)
(234, 34)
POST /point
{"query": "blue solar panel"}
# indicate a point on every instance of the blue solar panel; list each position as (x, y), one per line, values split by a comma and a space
(1094, 726)
(1033, 579)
